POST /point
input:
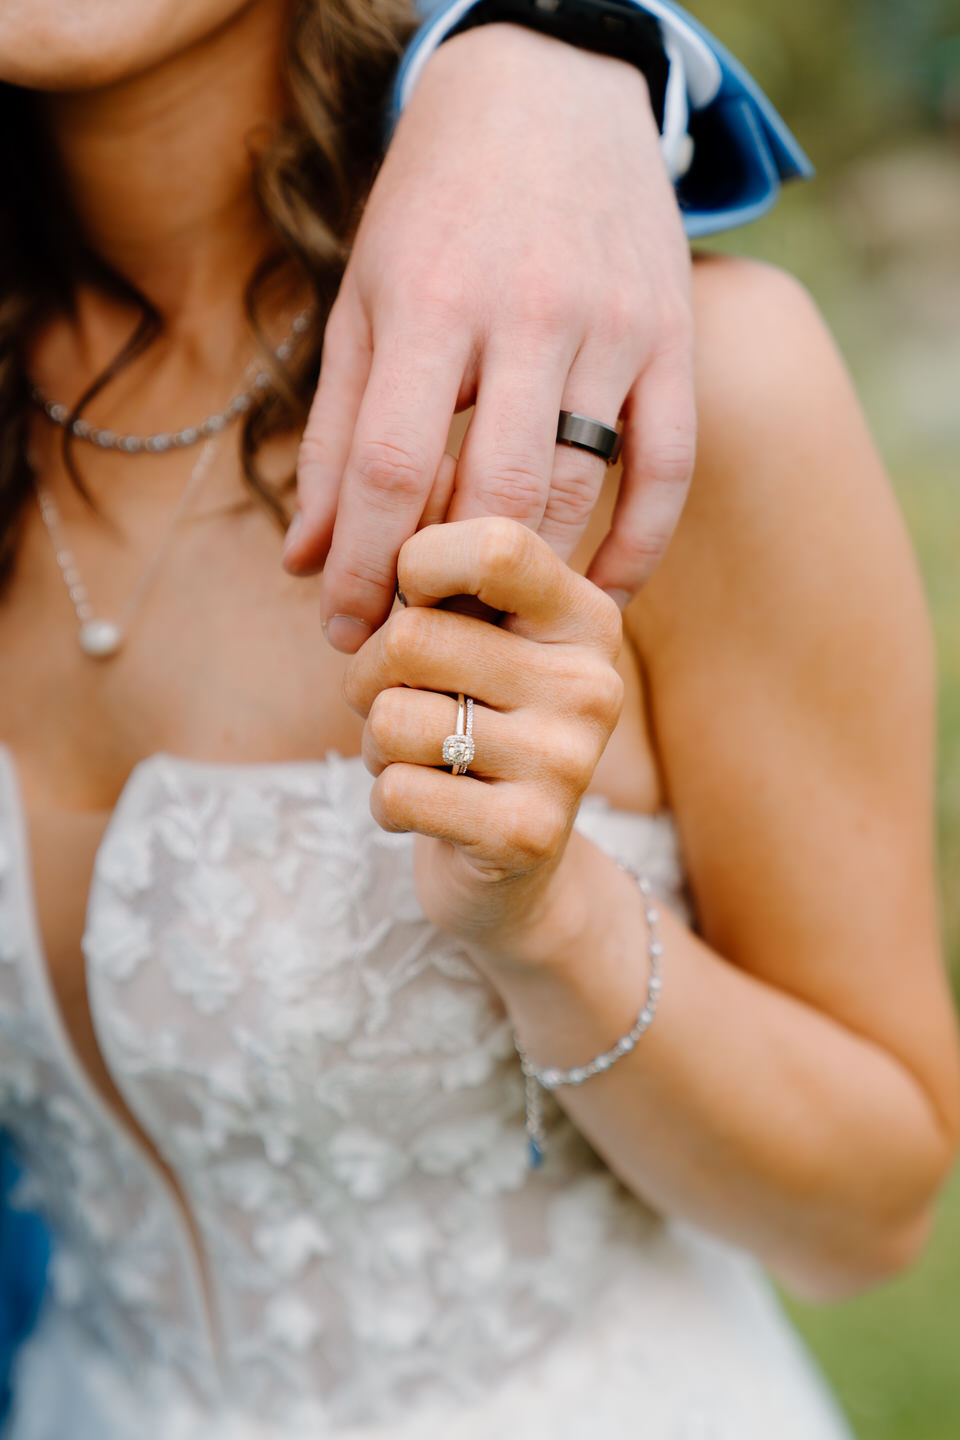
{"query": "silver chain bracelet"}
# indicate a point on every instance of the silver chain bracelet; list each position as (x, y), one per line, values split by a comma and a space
(549, 1077)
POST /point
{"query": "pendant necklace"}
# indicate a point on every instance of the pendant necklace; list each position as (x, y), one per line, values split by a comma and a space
(99, 637)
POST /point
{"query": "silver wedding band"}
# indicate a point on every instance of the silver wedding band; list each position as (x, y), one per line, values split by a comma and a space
(458, 748)
(586, 434)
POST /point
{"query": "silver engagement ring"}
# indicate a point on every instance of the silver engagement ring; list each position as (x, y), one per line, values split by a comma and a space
(459, 749)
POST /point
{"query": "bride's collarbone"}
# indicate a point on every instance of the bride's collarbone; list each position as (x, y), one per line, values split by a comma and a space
(234, 672)
(77, 770)
(237, 687)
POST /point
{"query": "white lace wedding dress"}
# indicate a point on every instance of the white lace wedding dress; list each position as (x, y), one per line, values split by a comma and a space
(358, 1248)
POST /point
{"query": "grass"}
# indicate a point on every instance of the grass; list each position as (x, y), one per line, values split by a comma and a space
(931, 503)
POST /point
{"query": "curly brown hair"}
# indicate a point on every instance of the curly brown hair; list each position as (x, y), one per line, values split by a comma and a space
(311, 180)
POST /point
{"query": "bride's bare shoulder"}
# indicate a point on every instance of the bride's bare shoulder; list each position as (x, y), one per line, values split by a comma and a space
(789, 499)
(768, 375)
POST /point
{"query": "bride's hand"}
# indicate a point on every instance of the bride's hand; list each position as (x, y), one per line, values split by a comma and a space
(547, 697)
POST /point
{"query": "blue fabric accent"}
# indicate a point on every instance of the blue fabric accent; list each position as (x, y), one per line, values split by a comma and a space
(24, 1251)
(743, 151)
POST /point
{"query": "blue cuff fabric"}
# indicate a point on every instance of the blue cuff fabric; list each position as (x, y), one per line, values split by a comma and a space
(741, 151)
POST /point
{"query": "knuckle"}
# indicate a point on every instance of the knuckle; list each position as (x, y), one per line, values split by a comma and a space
(600, 692)
(573, 491)
(535, 833)
(434, 294)
(384, 720)
(544, 306)
(404, 636)
(551, 307)
(359, 572)
(670, 460)
(620, 320)
(389, 798)
(575, 758)
(638, 557)
(676, 324)
(395, 475)
(312, 453)
(608, 696)
(503, 544)
(609, 624)
(514, 489)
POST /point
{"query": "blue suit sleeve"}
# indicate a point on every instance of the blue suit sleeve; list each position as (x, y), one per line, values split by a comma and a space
(739, 152)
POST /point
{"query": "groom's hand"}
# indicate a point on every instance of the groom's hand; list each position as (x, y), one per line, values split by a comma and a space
(521, 249)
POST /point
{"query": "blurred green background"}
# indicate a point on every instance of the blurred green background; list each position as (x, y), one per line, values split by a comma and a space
(872, 90)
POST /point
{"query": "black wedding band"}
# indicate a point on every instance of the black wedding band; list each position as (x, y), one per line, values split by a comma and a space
(587, 434)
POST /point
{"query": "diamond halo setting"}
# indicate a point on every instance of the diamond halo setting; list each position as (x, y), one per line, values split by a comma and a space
(458, 748)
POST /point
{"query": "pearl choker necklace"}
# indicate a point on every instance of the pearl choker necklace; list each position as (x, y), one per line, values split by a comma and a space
(165, 440)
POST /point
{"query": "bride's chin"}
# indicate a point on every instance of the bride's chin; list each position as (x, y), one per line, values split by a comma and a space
(63, 45)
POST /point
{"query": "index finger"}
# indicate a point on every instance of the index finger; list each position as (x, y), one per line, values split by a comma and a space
(398, 446)
(510, 568)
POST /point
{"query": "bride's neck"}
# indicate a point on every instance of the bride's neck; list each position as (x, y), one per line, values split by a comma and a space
(158, 166)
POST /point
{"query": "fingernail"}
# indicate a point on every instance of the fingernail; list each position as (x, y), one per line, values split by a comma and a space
(621, 598)
(346, 633)
(293, 533)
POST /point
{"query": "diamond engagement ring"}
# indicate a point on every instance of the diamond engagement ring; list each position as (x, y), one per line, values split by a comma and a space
(459, 749)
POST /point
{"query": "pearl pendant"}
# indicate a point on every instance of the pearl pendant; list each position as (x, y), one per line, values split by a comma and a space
(100, 638)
